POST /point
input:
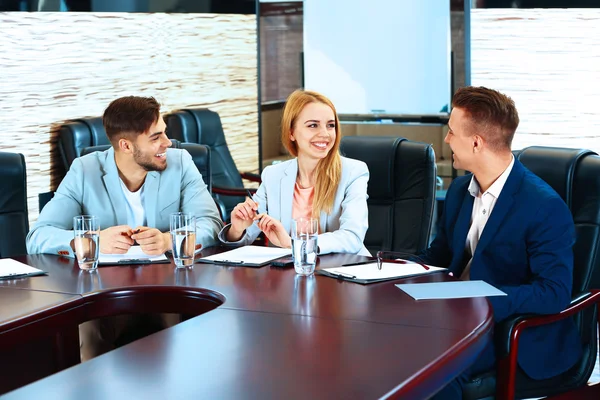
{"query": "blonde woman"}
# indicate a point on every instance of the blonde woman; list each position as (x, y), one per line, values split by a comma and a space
(318, 183)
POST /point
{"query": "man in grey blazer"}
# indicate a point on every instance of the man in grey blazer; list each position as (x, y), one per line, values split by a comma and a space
(132, 188)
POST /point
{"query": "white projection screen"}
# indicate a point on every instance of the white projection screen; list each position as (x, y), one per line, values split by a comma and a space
(380, 56)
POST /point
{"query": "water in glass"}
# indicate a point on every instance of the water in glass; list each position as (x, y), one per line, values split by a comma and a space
(304, 251)
(86, 241)
(184, 246)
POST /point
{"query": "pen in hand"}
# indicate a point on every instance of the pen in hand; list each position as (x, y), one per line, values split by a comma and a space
(252, 198)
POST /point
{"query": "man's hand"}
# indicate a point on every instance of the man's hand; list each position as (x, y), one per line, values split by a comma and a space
(116, 239)
(242, 216)
(274, 231)
(152, 241)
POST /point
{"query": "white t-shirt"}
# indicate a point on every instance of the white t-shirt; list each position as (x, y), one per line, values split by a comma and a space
(136, 215)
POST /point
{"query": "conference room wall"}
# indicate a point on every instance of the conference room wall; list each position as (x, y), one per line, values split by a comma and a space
(59, 66)
(547, 60)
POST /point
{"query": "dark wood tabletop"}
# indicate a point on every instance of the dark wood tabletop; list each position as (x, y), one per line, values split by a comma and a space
(263, 333)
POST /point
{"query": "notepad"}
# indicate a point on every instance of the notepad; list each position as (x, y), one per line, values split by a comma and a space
(247, 256)
(370, 273)
(135, 255)
(449, 290)
(12, 269)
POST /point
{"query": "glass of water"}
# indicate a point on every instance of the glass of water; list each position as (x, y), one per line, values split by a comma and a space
(86, 229)
(304, 245)
(183, 236)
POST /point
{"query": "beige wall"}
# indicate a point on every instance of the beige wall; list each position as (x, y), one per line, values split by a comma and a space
(59, 66)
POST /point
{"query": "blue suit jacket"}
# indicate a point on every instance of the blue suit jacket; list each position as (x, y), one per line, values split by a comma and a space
(343, 231)
(92, 187)
(524, 250)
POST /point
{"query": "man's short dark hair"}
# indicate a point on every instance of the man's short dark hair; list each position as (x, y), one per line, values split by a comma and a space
(493, 114)
(130, 116)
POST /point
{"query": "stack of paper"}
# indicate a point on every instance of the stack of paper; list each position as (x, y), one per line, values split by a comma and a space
(370, 273)
(12, 269)
(135, 255)
(247, 256)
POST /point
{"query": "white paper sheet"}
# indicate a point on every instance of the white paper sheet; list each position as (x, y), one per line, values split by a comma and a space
(250, 255)
(12, 268)
(134, 253)
(449, 290)
(388, 270)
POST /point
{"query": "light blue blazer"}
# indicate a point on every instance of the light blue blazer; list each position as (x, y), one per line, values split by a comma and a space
(92, 186)
(344, 229)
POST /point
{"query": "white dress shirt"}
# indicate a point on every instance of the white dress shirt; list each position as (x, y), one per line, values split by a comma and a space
(483, 206)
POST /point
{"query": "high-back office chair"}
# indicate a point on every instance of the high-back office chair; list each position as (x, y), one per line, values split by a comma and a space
(575, 175)
(200, 155)
(200, 125)
(76, 135)
(14, 221)
(401, 191)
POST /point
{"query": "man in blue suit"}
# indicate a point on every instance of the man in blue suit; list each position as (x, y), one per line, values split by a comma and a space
(507, 227)
(132, 188)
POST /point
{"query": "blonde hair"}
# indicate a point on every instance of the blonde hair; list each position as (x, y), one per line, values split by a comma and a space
(329, 169)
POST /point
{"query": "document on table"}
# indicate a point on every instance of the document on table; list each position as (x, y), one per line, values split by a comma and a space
(12, 269)
(368, 272)
(247, 256)
(449, 290)
(135, 255)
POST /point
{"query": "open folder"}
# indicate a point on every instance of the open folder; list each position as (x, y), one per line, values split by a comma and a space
(12, 269)
(247, 256)
(368, 272)
(135, 255)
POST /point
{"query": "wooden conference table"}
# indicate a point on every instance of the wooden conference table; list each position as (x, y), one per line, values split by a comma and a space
(263, 333)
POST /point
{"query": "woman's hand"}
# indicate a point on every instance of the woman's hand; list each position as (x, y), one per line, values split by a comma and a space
(274, 231)
(242, 216)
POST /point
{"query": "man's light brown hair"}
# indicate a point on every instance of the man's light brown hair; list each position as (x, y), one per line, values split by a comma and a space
(493, 115)
(130, 116)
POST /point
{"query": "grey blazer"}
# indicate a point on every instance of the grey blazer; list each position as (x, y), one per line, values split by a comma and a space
(344, 229)
(92, 187)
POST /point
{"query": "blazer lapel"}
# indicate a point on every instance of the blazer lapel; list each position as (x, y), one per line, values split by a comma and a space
(463, 222)
(286, 194)
(151, 198)
(503, 205)
(112, 184)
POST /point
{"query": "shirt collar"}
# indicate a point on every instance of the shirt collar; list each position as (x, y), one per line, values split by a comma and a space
(496, 187)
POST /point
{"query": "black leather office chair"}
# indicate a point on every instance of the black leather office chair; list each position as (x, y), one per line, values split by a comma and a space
(76, 135)
(575, 175)
(200, 125)
(14, 220)
(401, 191)
(200, 155)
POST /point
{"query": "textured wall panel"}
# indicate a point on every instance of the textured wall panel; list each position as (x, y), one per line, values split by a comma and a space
(548, 61)
(60, 66)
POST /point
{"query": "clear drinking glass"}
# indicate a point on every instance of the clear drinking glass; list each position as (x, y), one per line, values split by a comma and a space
(304, 245)
(183, 236)
(86, 230)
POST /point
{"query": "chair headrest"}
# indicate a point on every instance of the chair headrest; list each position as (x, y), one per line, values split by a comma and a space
(559, 172)
(13, 196)
(196, 125)
(380, 154)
